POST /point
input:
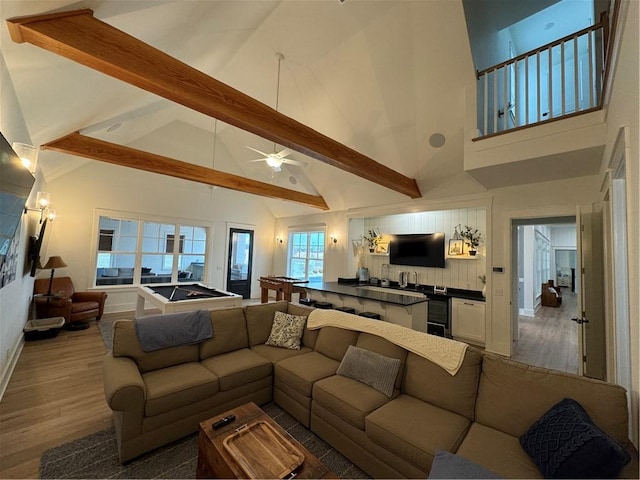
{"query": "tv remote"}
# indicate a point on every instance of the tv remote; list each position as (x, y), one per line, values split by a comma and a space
(224, 421)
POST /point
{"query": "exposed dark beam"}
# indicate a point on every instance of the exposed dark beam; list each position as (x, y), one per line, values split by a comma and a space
(82, 146)
(79, 36)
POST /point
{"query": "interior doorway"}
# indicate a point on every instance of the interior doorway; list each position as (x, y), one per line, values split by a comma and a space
(545, 335)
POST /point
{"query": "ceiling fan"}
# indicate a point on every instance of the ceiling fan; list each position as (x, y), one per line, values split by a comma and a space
(276, 159)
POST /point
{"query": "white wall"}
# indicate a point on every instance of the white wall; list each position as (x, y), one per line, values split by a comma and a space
(97, 185)
(623, 111)
(15, 297)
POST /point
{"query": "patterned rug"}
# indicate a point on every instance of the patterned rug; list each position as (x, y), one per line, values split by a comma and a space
(95, 456)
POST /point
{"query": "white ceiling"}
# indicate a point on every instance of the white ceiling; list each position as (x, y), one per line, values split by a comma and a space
(379, 76)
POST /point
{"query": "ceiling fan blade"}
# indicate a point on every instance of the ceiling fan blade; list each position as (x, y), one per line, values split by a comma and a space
(257, 160)
(291, 161)
(284, 153)
(257, 151)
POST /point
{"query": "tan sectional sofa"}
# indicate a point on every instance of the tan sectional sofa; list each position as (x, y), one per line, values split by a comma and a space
(478, 413)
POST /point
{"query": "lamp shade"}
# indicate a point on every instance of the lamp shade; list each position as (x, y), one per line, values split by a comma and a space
(54, 262)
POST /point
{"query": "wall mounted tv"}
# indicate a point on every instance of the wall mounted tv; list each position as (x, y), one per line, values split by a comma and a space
(417, 250)
(15, 185)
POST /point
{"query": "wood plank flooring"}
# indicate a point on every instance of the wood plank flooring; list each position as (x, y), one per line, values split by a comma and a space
(550, 338)
(55, 395)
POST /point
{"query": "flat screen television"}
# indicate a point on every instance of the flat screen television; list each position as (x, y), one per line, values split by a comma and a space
(15, 185)
(417, 250)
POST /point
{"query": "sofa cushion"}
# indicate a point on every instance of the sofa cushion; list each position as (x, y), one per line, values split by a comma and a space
(237, 368)
(565, 443)
(416, 430)
(427, 381)
(286, 331)
(333, 342)
(276, 354)
(348, 399)
(260, 319)
(229, 332)
(174, 387)
(125, 344)
(370, 368)
(497, 451)
(302, 371)
(377, 344)
(512, 396)
(450, 465)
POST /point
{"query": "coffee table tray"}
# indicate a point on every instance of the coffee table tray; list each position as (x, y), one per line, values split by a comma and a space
(262, 452)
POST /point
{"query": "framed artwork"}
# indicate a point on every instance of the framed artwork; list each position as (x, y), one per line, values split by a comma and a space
(382, 248)
(456, 247)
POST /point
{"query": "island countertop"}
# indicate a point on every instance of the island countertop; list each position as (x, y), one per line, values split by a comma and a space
(392, 294)
(369, 293)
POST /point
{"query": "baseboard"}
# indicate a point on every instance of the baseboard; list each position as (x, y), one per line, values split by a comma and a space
(527, 312)
(11, 365)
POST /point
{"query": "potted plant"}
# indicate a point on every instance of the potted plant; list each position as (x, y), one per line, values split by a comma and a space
(373, 238)
(471, 237)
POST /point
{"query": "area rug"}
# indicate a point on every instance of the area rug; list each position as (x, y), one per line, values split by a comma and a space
(96, 456)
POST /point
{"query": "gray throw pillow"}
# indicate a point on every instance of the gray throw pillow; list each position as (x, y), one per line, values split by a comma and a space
(286, 331)
(448, 465)
(371, 368)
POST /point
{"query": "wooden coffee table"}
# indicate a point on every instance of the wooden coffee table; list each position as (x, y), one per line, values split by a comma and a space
(215, 461)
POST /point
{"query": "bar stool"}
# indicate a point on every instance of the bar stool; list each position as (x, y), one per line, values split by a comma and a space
(373, 315)
(346, 309)
(310, 302)
(323, 305)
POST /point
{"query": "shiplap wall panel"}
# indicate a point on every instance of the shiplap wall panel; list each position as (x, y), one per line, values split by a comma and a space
(457, 273)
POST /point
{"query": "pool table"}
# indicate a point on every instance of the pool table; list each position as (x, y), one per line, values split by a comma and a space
(184, 297)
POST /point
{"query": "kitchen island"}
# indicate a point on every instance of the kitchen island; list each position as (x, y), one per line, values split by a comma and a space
(407, 307)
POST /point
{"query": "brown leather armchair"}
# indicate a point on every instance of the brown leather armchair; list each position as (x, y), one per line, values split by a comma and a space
(74, 306)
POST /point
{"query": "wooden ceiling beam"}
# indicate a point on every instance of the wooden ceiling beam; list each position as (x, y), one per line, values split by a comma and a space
(79, 36)
(87, 147)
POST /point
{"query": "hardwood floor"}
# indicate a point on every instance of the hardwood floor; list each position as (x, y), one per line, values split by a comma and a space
(55, 395)
(550, 338)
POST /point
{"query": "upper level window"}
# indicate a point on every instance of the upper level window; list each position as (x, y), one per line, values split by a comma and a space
(305, 258)
(133, 252)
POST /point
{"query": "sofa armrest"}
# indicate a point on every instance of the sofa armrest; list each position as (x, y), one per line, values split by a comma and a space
(123, 385)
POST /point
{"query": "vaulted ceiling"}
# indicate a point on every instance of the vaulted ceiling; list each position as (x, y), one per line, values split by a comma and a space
(379, 77)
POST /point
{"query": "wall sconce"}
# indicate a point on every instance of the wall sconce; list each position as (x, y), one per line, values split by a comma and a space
(43, 202)
(334, 238)
(28, 155)
(279, 240)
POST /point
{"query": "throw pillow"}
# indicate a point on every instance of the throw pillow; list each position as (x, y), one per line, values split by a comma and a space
(286, 331)
(449, 465)
(565, 443)
(371, 368)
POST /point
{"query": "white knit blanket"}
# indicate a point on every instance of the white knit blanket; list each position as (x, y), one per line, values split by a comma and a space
(444, 352)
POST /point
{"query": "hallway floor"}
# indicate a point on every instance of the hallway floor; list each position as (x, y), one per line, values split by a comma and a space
(550, 339)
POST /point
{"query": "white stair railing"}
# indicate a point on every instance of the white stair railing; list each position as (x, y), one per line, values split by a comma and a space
(559, 79)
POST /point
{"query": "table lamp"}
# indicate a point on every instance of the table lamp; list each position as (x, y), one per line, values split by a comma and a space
(53, 263)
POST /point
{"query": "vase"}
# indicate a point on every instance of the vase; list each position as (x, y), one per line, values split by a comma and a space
(372, 249)
(472, 253)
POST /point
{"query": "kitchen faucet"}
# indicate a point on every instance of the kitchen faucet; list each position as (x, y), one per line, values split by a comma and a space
(415, 283)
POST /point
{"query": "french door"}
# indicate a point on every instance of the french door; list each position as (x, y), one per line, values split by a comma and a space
(239, 261)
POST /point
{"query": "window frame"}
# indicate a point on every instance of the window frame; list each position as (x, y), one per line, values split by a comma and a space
(139, 253)
(309, 230)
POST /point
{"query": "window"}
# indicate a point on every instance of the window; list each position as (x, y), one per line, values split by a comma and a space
(305, 259)
(134, 252)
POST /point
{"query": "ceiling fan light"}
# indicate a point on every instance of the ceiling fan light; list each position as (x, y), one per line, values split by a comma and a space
(273, 161)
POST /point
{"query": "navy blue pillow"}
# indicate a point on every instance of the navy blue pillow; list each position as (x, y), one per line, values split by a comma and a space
(565, 443)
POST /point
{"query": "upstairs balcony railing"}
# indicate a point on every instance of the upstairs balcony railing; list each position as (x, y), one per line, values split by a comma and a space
(560, 79)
